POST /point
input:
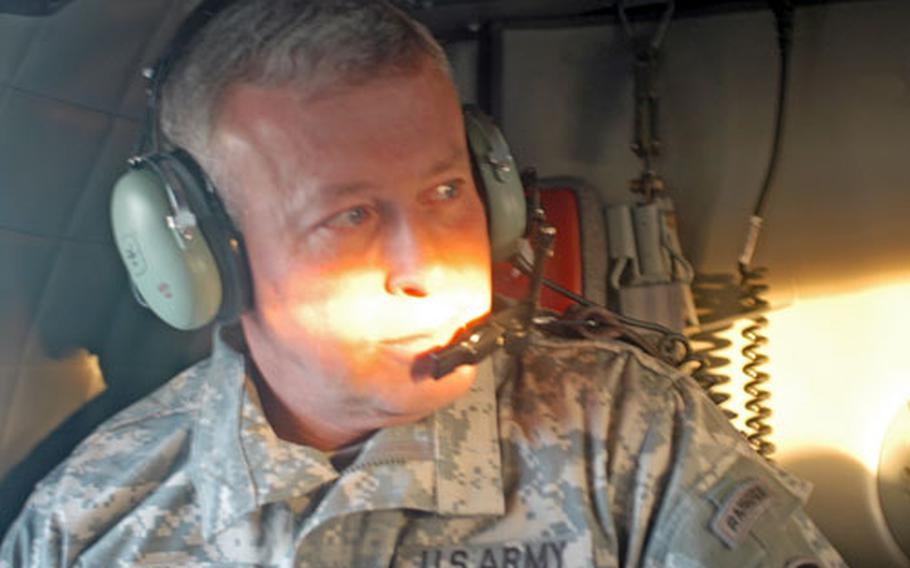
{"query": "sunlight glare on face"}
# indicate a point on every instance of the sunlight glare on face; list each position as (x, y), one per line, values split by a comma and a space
(358, 309)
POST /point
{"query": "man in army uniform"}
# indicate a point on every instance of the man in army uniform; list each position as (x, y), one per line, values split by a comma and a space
(335, 135)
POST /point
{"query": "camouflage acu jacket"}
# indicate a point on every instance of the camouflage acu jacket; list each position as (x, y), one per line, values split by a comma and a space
(578, 455)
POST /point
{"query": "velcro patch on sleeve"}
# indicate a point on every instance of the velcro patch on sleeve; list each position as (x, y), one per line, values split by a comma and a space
(738, 513)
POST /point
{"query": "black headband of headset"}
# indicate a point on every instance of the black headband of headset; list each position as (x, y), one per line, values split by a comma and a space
(201, 15)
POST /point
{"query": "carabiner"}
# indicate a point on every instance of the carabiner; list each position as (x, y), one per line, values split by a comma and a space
(657, 39)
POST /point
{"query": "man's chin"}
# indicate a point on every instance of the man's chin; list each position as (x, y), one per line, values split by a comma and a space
(423, 395)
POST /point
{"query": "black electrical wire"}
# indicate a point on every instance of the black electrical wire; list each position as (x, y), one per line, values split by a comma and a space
(783, 13)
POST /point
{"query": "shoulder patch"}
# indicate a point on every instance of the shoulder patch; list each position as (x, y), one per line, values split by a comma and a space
(736, 516)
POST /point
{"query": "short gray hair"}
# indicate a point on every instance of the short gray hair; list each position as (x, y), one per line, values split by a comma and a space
(309, 44)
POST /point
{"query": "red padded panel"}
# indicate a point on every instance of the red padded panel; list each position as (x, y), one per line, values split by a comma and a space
(564, 267)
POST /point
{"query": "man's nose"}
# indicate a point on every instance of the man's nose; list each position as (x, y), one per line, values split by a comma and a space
(409, 258)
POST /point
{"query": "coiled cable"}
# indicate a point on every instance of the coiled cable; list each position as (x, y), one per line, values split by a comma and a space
(713, 294)
(760, 413)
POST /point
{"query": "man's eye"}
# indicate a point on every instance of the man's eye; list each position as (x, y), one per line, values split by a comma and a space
(446, 192)
(349, 218)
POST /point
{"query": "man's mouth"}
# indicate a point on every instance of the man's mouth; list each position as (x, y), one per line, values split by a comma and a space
(416, 343)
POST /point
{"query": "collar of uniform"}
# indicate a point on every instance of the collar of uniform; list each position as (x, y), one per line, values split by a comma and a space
(219, 470)
(468, 468)
(447, 464)
(280, 470)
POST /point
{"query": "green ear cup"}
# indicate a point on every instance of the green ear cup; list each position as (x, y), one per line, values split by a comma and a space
(168, 259)
(502, 189)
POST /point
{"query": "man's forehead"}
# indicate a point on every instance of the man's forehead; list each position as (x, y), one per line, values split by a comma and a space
(424, 102)
(386, 107)
(426, 78)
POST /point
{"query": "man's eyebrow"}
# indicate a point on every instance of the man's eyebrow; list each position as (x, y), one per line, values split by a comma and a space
(455, 156)
(325, 195)
(333, 191)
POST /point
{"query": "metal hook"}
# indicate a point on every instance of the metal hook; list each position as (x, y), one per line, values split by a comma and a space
(657, 39)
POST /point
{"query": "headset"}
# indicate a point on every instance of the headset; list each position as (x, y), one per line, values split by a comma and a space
(185, 257)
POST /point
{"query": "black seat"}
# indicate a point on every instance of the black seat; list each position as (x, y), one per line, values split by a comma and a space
(71, 109)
